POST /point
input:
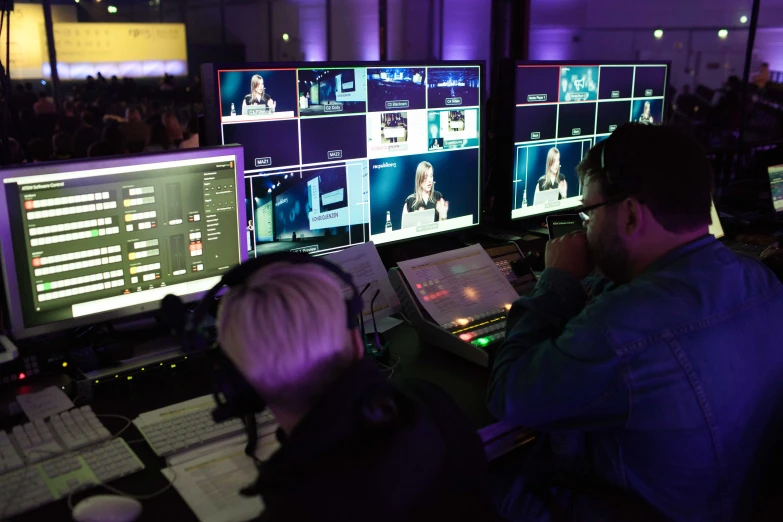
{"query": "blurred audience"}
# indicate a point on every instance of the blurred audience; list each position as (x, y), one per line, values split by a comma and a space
(101, 117)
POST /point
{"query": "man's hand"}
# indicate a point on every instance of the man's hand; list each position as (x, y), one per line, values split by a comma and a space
(570, 253)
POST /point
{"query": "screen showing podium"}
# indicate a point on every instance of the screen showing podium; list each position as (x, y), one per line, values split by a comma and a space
(563, 109)
(97, 240)
(337, 155)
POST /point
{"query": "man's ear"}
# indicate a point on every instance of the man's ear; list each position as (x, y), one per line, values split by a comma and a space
(633, 214)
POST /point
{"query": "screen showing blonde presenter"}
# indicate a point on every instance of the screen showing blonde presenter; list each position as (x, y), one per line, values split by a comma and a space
(424, 196)
(258, 97)
(552, 185)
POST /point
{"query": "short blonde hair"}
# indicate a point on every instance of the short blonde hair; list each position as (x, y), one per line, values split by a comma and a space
(286, 330)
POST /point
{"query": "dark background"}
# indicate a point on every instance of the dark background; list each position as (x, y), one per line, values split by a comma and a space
(320, 135)
(541, 118)
(456, 177)
(613, 113)
(279, 84)
(650, 78)
(615, 79)
(573, 115)
(277, 139)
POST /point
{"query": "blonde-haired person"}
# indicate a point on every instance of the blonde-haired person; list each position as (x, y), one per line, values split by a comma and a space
(424, 196)
(258, 95)
(354, 446)
(646, 118)
(552, 179)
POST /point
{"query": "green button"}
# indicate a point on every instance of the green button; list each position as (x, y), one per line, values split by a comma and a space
(47, 286)
(94, 232)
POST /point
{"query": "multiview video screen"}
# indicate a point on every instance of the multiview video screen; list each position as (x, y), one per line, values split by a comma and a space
(561, 111)
(336, 156)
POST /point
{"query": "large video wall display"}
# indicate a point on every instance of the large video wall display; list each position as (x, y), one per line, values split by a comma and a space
(561, 111)
(340, 156)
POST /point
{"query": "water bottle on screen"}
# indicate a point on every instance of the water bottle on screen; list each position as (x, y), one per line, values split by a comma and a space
(233, 110)
(388, 221)
(524, 199)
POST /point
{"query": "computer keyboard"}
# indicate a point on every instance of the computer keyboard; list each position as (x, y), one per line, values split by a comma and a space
(744, 248)
(481, 330)
(74, 429)
(191, 426)
(45, 478)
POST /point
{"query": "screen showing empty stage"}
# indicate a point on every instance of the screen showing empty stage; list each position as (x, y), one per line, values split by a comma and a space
(95, 241)
(343, 155)
(561, 111)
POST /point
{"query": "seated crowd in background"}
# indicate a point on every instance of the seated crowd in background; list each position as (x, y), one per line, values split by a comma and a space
(102, 117)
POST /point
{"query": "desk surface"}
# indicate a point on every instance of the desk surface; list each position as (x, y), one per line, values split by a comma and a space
(464, 381)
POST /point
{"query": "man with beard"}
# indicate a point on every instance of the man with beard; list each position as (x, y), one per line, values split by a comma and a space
(655, 387)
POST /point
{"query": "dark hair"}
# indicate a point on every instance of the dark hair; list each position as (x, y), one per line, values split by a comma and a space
(765, 64)
(159, 135)
(99, 149)
(87, 118)
(61, 143)
(661, 166)
(42, 95)
(38, 150)
(114, 138)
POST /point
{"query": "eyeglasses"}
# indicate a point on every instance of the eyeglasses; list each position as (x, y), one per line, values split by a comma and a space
(586, 212)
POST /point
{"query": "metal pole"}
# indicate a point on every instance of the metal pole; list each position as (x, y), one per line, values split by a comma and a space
(269, 15)
(383, 29)
(47, 9)
(222, 22)
(328, 30)
(754, 20)
(6, 156)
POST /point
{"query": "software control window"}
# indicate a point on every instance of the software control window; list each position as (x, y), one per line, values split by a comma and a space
(100, 240)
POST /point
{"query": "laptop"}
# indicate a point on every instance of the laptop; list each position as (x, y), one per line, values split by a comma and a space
(543, 197)
(420, 217)
(746, 249)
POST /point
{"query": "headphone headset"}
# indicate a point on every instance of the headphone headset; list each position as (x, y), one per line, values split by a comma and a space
(234, 395)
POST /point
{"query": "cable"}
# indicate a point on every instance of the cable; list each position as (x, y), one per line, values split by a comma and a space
(116, 491)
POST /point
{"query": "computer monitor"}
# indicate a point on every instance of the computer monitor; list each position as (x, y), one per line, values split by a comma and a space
(96, 240)
(336, 154)
(561, 110)
(776, 186)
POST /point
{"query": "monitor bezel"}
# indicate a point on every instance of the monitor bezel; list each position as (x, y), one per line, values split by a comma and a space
(507, 207)
(211, 96)
(8, 262)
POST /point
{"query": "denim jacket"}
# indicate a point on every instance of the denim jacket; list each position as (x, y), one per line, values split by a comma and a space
(669, 381)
